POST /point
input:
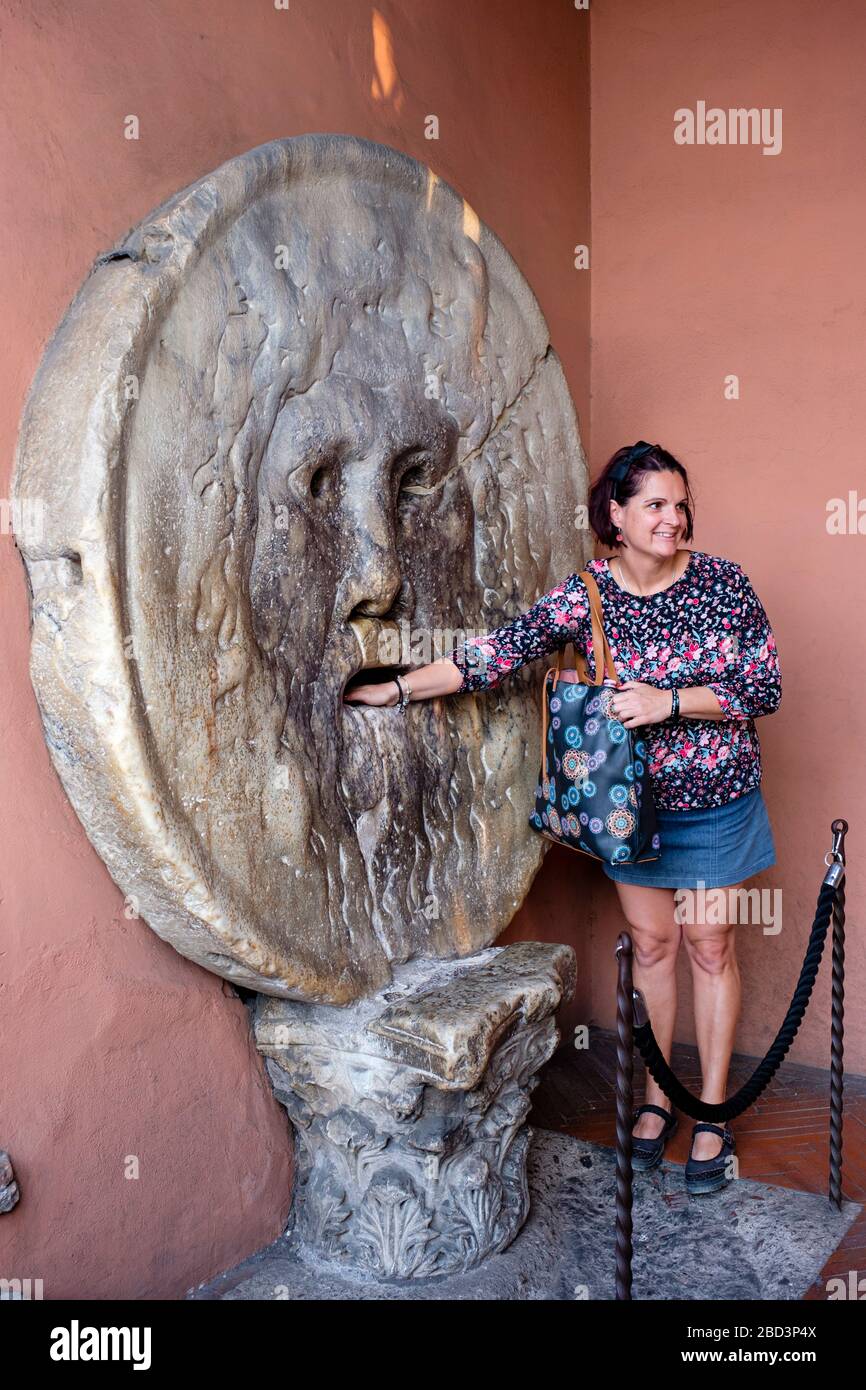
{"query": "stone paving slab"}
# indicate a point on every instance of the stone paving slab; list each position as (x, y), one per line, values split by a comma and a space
(751, 1242)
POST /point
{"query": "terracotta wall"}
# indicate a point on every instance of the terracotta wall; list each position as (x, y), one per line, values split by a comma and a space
(119, 1056)
(706, 261)
(710, 260)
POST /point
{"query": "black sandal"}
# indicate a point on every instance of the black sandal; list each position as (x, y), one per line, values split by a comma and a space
(647, 1153)
(709, 1174)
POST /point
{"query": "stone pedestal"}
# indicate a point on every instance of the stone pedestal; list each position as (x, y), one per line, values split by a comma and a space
(409, 1108)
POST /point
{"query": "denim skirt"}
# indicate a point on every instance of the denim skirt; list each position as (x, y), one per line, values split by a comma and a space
(715, 846)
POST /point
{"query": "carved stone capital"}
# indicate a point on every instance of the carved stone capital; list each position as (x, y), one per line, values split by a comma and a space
(410, 1108)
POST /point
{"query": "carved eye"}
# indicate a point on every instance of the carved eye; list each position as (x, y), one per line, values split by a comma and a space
(417, 479)
(322, 480)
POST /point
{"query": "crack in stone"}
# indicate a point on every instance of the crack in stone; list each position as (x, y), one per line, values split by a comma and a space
(499, 424)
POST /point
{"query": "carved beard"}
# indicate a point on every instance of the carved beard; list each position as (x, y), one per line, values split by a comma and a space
(380, 800)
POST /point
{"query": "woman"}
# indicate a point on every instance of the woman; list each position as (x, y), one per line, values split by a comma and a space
(697, 663)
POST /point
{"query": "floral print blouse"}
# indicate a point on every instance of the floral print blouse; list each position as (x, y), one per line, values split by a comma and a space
(707, 628)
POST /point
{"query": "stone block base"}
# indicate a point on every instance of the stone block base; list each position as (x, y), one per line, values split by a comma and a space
(409, 1108)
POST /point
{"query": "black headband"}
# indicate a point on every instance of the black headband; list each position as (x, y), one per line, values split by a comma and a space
(620, 469)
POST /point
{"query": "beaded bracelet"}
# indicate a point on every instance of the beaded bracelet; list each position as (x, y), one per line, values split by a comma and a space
(404, 694)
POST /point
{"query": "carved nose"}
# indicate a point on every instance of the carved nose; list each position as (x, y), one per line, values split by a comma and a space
(379, 589)
(375, 593)
(376, 583)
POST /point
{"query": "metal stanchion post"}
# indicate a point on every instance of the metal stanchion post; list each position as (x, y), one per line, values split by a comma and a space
(624, 1115)
(837, 1020)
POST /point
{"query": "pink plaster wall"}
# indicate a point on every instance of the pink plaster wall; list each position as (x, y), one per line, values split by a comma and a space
(709, 260)
(705, 261)
(112, 1044)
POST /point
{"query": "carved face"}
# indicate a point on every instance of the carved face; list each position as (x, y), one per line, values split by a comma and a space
(348, 442)
(349, 503)
(361, 511)
(362, 516)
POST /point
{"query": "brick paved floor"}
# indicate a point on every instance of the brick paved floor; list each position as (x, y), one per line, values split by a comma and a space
(782, 1139)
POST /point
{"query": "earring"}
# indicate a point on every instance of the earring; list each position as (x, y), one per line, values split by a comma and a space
(619, 535)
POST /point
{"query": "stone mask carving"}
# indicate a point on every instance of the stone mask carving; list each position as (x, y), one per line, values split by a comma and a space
(306, 408)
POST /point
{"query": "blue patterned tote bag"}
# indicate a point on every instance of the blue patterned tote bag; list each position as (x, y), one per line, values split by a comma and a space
(594, 793)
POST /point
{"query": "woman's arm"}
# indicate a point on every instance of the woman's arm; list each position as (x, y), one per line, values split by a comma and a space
(439, 677)
(637, 703)
(750, 678)
(558, 617)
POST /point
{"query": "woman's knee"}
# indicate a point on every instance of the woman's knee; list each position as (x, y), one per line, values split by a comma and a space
(654, 942)
(651, 915)
(711, 950)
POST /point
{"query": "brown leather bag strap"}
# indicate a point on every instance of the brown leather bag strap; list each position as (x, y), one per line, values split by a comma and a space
(598, 624)
(600, 649)
(603, 659)
(543, 758)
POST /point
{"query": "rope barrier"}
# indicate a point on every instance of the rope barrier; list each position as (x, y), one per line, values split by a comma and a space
(634, 1027)
(767, 1068)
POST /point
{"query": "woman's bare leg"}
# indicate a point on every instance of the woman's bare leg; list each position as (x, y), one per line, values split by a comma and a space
(650, 913)
(711, 948)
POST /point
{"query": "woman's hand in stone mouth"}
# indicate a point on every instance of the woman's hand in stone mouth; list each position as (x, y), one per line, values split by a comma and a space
(380, 693)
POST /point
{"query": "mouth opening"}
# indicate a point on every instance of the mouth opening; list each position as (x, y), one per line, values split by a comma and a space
(373, 675)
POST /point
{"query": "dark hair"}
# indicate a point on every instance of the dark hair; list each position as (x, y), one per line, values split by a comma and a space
(622, 477)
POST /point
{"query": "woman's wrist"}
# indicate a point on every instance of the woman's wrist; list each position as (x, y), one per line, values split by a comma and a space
(440, 677)
(405, 690)
(699, 702)
(663, 712)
